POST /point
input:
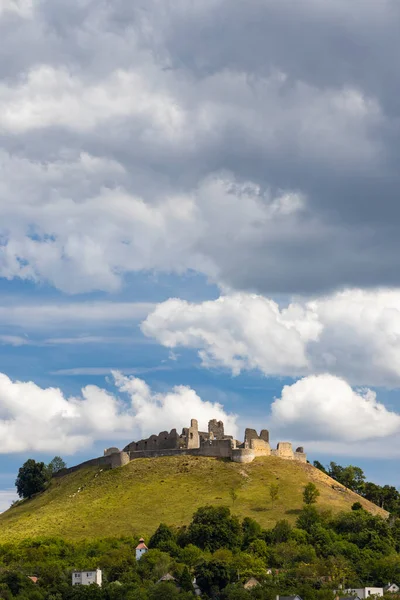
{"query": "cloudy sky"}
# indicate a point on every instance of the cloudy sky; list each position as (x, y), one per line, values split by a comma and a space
(199, 217)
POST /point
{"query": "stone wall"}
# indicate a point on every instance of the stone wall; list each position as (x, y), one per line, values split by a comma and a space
(284, 450)
(301, 456)
(101, 461)
(242, 455)
(218, 448)
(213, 443)
(250, 434)
(162, 441)
(111, 450)
(260, 447)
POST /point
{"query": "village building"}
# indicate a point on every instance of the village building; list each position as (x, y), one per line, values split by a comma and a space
(391, 588)
(87, 577)
(141, 549)
(167, 577)
(251, 583)
(363, 593)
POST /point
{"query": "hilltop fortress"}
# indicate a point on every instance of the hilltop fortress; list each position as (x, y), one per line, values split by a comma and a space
(191, 441)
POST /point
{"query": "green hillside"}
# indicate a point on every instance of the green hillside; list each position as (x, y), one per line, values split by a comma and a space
(135, 498)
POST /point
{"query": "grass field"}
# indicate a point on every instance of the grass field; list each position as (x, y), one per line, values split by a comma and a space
(135, 498)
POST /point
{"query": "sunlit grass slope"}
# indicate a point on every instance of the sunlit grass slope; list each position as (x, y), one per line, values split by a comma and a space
(135, 498)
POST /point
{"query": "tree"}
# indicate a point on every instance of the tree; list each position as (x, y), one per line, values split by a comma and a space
(274, 492)
(310, 493)
(234, 495)
(214, 527)
(32, 478)
(281, 532)
(251, 530)
(55, 465)
(351, 477)
(185, 581)
(320, 466)
(161, 536)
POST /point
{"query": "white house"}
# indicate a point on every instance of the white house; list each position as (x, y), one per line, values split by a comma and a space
(141, 549)
(363, 593)
(86, 577)
(391, 588)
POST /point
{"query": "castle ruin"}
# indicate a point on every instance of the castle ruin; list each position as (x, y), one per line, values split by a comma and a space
(193, 442)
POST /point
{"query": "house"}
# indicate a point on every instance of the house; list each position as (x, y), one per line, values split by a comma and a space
(197, 590)
(86, 577)
(391, 588)
(141, 549)
(33, 579)
(251, 583)
(363, 593)
(166, 577)
(288, 597)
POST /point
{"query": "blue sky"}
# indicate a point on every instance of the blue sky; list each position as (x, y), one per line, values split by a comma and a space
(199, 218)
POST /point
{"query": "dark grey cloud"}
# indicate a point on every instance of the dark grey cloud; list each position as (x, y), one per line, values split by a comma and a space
(285, 99)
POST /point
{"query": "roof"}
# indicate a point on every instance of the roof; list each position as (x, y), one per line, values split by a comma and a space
(250, 583)
(34, 579)
(141, 545)
(166, 577)
(289, 597)
(389, 585)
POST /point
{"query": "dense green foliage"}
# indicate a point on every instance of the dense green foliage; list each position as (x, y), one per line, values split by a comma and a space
(353, 478)
(310, 493)
(56, 465)
(33, 477)
(222, 552)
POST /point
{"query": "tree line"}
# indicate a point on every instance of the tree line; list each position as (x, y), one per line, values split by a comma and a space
(352, 477)
(311, 558)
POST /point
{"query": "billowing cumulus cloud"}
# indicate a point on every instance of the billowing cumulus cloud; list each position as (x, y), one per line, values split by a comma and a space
(326, 408)
(353, 334)
(137, 138)
(45, 420)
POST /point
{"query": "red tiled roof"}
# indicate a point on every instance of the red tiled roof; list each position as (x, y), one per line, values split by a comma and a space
(34, 579)
(141, 545)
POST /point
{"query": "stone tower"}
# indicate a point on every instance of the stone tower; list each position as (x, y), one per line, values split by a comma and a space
(216, 428)
(192, 437)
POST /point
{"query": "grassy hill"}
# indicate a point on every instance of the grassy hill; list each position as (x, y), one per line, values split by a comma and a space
(135, 498)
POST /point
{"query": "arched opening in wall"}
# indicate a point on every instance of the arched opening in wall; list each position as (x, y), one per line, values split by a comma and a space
(145, 444)
(191, 435)
(137, 446)
(165, 438)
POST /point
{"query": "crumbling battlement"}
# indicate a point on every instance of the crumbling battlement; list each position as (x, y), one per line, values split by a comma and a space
(198, 443)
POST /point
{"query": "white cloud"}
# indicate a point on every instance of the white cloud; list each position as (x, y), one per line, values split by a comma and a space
(324, 407)
(53, 97)
(353, 334)
(67, 315)
(44, 420)
(22, 8)
(239, 331)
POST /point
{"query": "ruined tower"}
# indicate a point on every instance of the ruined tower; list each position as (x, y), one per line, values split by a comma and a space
(216, 428)
(192, 436)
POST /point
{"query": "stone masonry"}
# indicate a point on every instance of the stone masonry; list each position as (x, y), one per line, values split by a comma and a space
(198, 443)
